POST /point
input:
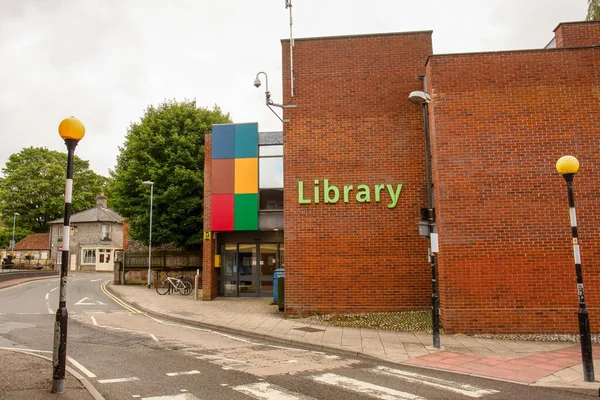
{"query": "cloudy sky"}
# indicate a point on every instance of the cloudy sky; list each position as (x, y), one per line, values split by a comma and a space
(104, 61)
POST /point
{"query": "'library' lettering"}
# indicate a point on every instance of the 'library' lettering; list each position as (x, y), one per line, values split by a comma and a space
(331, 193)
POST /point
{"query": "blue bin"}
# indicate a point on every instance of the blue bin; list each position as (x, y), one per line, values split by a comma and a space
(279, 272)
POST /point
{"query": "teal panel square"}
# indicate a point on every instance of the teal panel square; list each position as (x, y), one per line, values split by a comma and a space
(245, 212)
(246, 140)
(223, 141)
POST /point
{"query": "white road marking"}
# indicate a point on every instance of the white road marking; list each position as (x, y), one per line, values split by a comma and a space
(266, 391)
(118, 380)
(209, 357)
(456, 387)
(96, 280)
(94, 320)
(193, 372)
(154, 338)
(47, 295)
(81, 368)
(183, 390)
(101, 303)
(50, 310)
(52, 290)
(136, 396)
(182, 396)
(82, 302)
(365, 388)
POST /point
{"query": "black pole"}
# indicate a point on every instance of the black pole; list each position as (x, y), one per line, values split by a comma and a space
(435, 301)
(582, 314)
(59, 359)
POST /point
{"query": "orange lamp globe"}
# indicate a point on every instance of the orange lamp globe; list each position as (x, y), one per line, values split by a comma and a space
(567, 165)
(71, 128)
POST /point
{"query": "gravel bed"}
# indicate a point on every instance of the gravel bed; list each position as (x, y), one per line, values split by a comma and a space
(420, 321)
(406, 321)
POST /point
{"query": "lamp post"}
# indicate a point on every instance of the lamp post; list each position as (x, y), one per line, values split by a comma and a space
(12, 242)
(71, 130)
(150, 235)
(428, 215)
(568, 166)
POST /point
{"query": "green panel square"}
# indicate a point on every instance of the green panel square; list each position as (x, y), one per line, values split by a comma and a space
(245, 212)
(246, 140)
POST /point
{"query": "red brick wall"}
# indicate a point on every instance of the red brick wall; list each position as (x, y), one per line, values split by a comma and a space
(499, 123)
(209, 273)
(578, 34)
(354, 125)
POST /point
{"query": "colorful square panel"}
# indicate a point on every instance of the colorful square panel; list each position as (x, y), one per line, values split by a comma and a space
(223, 176)
(222, 206)
(246, 140)
(246, 175)
(246, 212)
(223, 141)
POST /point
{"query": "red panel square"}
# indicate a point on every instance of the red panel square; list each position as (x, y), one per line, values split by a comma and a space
(222, 212)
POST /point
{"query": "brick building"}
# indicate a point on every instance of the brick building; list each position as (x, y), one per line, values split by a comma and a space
(355, 180)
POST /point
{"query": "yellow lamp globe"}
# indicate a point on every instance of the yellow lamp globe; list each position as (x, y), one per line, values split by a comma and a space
(71, 128)
(567, 165)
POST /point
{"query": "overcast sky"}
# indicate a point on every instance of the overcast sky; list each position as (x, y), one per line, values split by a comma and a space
(104, 61)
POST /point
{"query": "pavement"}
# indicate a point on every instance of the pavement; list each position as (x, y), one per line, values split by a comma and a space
(552, 365)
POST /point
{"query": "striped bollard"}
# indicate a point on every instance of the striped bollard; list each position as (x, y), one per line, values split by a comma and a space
(568, 166)
(71, 130)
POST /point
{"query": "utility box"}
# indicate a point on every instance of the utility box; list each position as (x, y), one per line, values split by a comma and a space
(278, 273)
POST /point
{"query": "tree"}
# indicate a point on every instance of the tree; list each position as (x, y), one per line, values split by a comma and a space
(593, 10)
(167, 148)
(34, 184)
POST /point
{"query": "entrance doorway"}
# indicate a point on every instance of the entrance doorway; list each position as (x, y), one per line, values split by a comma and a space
(247, 269)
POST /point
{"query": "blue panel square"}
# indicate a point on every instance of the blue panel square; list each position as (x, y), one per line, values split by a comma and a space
(223, 141)
(246, 140)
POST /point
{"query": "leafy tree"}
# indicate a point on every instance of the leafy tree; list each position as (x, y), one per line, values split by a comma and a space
(593, 10)
(34, 184)
(166, 147)
(6, 235)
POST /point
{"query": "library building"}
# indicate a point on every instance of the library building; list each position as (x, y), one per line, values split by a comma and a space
(400, 173)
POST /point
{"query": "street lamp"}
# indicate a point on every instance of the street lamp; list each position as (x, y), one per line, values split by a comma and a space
(12, 242)
(428, 215)
(71, 130)
(568, 166)
(150, 235)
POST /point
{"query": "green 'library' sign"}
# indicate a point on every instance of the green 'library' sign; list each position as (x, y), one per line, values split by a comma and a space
(362, 193)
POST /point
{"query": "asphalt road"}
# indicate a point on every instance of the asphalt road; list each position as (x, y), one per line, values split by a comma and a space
(129, 355)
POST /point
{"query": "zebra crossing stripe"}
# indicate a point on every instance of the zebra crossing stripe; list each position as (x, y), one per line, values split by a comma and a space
(365, 388)
(266, 391)
(193, 372)
(466, 390)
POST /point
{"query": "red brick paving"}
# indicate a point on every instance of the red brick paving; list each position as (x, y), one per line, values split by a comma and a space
(527, 369)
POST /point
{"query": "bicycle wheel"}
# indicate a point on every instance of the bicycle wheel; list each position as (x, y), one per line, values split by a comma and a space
(186, 289)
(163, 287)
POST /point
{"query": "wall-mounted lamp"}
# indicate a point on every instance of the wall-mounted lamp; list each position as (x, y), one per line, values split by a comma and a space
(268, 100)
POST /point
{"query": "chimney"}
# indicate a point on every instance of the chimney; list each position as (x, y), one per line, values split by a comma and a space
(101, 201)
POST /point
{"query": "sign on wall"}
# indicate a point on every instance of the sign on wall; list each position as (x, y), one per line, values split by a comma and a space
(326, 193)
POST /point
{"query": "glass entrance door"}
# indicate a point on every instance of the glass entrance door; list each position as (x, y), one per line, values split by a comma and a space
(247, 269)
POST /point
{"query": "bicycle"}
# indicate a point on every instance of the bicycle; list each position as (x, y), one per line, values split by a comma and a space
(181, 284)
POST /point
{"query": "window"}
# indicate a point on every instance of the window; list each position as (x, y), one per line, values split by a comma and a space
(271, 200)
(59, 235)
(106, 232)
(104, 256)
(88, 256)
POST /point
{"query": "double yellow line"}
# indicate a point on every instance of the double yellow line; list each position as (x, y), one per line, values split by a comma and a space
(117, 300)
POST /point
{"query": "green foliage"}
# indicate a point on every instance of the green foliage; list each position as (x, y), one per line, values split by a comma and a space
(593, 10)
(34, 184)
(166, 147)
(6, 235)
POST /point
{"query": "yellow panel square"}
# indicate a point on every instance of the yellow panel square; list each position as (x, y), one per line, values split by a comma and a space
(246, 175)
